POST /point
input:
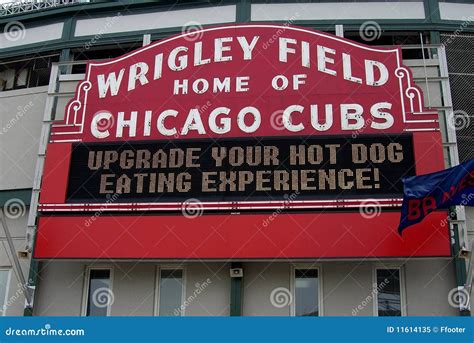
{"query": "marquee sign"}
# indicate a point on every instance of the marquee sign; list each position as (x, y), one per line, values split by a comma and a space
(237, 118)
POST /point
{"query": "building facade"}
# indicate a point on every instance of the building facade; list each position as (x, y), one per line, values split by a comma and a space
(206, 261)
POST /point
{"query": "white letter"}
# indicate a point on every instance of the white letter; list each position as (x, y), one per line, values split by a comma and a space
(351, 112)
(95, 125)
(323, 59)
(284, 82)
(193, 122)
(369, 73)
(315, 121)
(347, 69)
(134, 76)
(183, 60)
(204, 88)
(219, 48)
(241, 119)
(112, 82)
(246, 47)
(131, 124)
(305, 59)
(376, 112)
(183, 86)
(224, 123)
(147, 123)
(160, 123)
(158, 66)
(298, 80)
(286, 118)
(241, 83)
(219, 86)
(284, 49)
(198, 55)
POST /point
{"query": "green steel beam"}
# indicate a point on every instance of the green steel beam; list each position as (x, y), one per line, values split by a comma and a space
(243, 11)
(68, 29)
(24, 195)
(236, 289)
(432, 11)
(70, 14)
(435, 37)
(130, 37)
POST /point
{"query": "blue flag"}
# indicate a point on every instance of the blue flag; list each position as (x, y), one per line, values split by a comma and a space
(425, 193)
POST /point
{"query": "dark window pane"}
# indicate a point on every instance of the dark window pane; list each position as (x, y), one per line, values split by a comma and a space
(171, 290)
(27, 72)
(388, 287)
(96, 53)
(306, 292)
(99, 281)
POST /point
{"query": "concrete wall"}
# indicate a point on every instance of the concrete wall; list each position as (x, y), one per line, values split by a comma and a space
(61, 289)
(260, 279)
(214, 300)
(15, 299)
(345, 286)
(456, 11)
(428, 283)
(21, 117)
(29, 35)
(155, 20)
(331, 11)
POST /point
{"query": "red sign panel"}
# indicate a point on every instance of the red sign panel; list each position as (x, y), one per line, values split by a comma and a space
(211, 127)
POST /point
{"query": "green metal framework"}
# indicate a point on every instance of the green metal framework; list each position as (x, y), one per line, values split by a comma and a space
(70, 14)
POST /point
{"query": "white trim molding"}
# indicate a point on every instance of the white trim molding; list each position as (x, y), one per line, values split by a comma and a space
(85, 288)
(315, 266)
(401, 271)
(159, 268)
(7, 289)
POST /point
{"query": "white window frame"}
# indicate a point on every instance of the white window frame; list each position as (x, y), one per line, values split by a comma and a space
(319, 268)
(156, 307)
(7, 289)
(85, 288)
(401, 272)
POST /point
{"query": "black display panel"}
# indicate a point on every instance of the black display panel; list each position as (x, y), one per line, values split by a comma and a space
(241, 169)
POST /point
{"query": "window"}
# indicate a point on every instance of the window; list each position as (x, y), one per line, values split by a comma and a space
(389, 297)
(170, 292)
(97, 53)
(26, 73)
(306, 292)
(99, 294)
(4, 283)
(395, 38)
